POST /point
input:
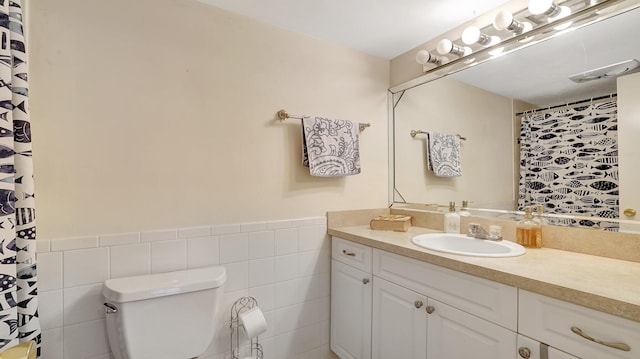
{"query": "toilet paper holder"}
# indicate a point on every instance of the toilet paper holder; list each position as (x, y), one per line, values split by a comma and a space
(255, 349)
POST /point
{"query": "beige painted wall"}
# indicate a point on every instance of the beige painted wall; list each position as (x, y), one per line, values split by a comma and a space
(161, 113)
(484, 118)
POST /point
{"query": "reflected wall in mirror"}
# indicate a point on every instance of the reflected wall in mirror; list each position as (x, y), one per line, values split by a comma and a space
(580, 142)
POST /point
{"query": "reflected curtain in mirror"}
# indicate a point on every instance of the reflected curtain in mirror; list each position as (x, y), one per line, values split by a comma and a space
(569, 162)
(18, 299)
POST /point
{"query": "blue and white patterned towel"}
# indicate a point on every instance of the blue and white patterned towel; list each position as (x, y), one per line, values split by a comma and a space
(330, 148)
(443, 157)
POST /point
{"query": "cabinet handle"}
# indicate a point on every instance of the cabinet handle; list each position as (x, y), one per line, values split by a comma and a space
(430, 309)
(350, 254)
(524, 352)
(619, 346)
(418, 304)
(365, 280)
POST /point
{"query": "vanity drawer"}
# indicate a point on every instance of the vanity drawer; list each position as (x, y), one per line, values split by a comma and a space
(556, 322)
(483, 298)
(351, 253)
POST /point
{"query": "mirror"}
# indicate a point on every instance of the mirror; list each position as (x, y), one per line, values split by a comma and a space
(485, 104)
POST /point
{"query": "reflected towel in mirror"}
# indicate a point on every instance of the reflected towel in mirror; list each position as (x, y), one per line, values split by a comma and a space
(443, 154)
(330, 147)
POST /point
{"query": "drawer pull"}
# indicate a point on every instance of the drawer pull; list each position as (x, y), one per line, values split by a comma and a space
(365, 280)
(350, 254)
(418, 304)
(524, 352)
(430, 309)
(619, 346)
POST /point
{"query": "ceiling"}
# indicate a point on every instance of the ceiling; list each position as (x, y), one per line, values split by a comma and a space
(383, 28)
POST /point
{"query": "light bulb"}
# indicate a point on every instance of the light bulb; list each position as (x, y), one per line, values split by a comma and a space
(471, 35)
(445, 46)
(504, 21)
(424, 57)
(539, 7)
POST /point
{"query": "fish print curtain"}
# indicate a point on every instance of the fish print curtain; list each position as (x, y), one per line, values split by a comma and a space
(18, 291)
(569, 163)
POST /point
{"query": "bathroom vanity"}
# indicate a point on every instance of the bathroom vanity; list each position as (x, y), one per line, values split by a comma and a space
(392, 299)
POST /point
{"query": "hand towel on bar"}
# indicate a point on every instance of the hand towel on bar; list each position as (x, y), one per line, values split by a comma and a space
(330, 148)
(443, 156)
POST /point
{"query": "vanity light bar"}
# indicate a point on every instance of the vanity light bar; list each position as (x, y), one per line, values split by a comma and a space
(539, 12)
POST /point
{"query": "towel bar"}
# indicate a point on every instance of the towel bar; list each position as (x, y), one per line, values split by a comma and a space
(283, 115)
(415, 132)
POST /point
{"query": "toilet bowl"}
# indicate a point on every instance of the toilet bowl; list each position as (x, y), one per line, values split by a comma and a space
(163, 316)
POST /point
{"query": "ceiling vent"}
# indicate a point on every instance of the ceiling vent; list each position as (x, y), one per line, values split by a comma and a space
(607, 72)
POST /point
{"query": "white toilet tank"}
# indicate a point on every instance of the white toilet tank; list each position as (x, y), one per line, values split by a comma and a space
(163, 316)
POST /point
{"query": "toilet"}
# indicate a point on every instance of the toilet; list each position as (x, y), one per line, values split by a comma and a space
(163, 316)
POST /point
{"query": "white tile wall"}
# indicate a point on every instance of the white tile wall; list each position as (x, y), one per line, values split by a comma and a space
(284, 264)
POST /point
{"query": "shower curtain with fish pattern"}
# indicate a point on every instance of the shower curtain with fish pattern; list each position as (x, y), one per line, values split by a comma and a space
(569, 163)
(18, 282)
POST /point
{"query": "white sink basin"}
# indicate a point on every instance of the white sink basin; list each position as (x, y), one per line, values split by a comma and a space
(468, 246)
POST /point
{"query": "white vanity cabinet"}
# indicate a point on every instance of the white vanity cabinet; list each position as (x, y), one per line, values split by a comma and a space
(416, 310)
(351, 283)
(384, 305)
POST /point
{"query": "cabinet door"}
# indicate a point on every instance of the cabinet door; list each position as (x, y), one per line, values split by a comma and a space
(453, 333)
(399, 322)
(350, 312)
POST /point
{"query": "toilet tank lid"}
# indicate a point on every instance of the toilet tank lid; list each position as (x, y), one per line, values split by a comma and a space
(142, 287)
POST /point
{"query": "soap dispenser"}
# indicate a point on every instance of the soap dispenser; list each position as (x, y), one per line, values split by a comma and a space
(452, 220)
(528, 231)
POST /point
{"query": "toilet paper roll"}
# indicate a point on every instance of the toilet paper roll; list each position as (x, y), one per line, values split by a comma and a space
(253, 322)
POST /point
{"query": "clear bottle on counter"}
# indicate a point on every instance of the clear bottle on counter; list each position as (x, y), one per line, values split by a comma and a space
(539, 217)
(464, 210)
(452, 220)
(529, 231)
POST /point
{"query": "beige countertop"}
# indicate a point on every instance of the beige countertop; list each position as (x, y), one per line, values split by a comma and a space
(608, 285)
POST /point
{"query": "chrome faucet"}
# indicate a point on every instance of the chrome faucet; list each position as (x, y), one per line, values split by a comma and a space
(476, 231)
